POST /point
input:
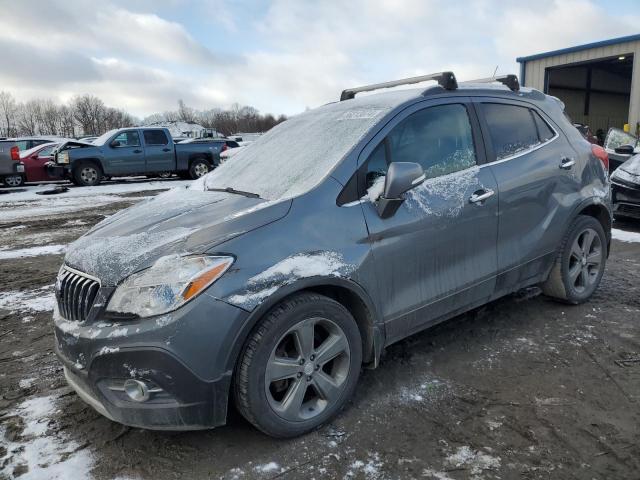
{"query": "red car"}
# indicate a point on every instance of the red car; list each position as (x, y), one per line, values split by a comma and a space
(34, 161)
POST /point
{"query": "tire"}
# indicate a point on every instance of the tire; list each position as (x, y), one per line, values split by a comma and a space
(87, 174)
(198, 168)
(580, 264)
(281, 392)
(14, 180)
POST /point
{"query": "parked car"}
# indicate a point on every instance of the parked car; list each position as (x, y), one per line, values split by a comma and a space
(230, 152)
(11, 168)
(35, 162)
(620, 147)
(342, 230)
(625, 187)
(131, 151)
(27, 143)
(87, 139)
(219, 145)
(585, 131)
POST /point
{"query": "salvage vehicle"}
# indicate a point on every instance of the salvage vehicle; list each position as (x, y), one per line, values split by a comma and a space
(131, 151)
(620, 146)
(11, 168)
(271, 281)
(35, 162)
(625, 189)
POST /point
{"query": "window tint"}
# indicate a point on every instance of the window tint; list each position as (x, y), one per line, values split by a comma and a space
(376, 165)
(128, 139)
(544, 130)
(46, 152)
(23, 145)
(232, 144)
(438, 138)
(511, 128)
(155, 137)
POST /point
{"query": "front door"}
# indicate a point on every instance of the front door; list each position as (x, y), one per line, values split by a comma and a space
(34, 165)
(437, 254)
(125, 154)
(159, 152)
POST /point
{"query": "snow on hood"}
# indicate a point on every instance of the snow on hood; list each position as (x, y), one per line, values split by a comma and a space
(632, 166)
(181, 221)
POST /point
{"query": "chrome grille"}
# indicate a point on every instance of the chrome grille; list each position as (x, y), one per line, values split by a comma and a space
(75, 293)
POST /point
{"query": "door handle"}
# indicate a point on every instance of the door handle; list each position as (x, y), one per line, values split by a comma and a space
(166, 149)
(480, 196)
(137, 151)
(566, 163)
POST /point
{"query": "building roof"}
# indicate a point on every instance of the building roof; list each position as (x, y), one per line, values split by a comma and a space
(579, 48)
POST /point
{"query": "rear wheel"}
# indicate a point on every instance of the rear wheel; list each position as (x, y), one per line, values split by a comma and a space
(199, 167)
(14, 180)
(299, 367)
(580, 264)
(87, 174)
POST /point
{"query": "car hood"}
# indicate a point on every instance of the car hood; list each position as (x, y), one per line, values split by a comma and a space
(182, 221)
(632, 165)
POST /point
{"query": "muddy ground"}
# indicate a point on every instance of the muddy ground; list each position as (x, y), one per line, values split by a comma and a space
(524, 388)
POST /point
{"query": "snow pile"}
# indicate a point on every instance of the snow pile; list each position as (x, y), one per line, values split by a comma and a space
(38, 300)
(624, 236)
(32, 251)
(475, 461)
(302, 265)
(44, 454)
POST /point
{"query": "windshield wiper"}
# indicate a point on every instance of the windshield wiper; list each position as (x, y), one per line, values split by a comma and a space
(233, 190)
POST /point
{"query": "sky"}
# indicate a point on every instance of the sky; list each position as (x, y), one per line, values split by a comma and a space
(280, 56)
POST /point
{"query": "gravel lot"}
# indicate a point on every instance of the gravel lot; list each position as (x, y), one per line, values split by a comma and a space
(522, 388)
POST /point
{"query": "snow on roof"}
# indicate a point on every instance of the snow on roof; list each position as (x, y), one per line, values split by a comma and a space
(178, 129)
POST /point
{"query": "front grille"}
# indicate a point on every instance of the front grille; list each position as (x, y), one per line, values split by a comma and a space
(75, 293)
(628, 210)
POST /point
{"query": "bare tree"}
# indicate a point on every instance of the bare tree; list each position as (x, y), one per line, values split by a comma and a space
(186, 114)
(8, 111)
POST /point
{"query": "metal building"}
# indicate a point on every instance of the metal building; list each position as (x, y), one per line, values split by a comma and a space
(598, 82)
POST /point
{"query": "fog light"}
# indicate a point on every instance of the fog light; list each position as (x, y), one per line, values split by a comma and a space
(136, 390)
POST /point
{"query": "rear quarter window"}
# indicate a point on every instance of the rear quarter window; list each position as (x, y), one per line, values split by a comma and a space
(155, 137)
(511, 127)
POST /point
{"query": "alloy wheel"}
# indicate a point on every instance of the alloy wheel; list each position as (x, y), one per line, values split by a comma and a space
(585, 260)
(308, 369)
(13, 181)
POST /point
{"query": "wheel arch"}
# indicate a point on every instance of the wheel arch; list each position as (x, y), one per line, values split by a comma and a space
(594, 207)
(346, 292)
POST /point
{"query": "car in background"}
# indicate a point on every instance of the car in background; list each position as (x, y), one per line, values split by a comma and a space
(219, 145)
(35, 162)
(230, 152)
(625, 189)
(27, 143)
(620, 146)
(585, 131)
(87, 139)
(11, 168)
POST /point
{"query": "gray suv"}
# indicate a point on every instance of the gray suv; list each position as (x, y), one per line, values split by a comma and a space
(271, 281)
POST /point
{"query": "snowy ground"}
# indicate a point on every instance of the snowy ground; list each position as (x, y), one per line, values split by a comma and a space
(523, 388)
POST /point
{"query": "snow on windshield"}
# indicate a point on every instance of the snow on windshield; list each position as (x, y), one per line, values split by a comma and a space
(102, 139)
(295, 156)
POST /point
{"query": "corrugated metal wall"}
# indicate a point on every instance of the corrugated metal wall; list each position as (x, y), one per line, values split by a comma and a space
(535, 70)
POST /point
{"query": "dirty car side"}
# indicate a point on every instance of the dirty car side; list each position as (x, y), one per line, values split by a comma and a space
(437, 256)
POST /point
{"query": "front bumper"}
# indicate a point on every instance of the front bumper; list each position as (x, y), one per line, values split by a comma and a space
(56, 171)
(626, 200)
(182, 356)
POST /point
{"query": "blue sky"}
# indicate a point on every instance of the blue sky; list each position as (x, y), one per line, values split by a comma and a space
(280, 56)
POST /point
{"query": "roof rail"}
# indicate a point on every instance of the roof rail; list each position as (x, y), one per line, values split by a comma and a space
(510, 81)
(446, 80)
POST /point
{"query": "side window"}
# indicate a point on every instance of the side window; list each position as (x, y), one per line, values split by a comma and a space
(22, 145)
(512, 129)
(155, 137)
(128, 139)
(376, 165)
(438, 138)
(544, 130)
(46, 152)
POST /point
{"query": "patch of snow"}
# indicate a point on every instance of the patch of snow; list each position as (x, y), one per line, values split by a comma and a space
(107, 350)
(375, 190)
(429, 473)
(476, 461)
(267, 467)
(118, 332)
(624, 236)
(26, 382)
(38, 300)
(46, 455)
(32, 251)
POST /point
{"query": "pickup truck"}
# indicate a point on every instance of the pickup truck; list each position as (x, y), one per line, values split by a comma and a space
(11, 168)
(131, 151)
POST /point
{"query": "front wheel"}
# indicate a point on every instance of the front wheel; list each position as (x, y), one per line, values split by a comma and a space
(14, 180)
(198, 168)
(87, 174)
(299, 367)
(580, 263)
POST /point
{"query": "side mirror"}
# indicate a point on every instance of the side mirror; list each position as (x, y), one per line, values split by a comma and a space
(625, 149)
(115, 143)
(401, 177)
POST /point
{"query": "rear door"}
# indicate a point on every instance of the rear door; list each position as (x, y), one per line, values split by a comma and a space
(437, 254)
(159, 151)
(125, 154)
(531, 160)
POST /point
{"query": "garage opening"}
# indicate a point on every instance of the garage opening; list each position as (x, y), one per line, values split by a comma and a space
(595, 93)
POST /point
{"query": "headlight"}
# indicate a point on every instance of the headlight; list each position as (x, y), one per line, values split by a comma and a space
(62, 157)
(168, 284)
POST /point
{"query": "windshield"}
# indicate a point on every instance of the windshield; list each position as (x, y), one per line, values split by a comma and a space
(616, 138)
(296, 155)
(102, 139)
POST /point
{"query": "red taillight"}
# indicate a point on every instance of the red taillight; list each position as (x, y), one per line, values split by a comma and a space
(224, 147)
(15, 154)
(601, 153)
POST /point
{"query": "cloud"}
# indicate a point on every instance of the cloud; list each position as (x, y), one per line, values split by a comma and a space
(283, 56)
